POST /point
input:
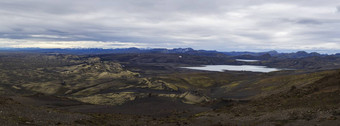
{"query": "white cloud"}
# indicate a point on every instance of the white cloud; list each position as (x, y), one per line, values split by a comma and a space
(217, 24)
(49, 36)
(66, 44)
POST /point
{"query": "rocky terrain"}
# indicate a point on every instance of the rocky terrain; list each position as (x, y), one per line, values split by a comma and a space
(152, 89)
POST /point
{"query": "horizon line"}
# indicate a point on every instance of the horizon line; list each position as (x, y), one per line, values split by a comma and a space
(150, 48)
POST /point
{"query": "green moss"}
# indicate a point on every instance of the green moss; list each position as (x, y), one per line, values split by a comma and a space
(200, 114)
(46, 88)
(172, 86)
(200, 81)
(110, 98)
(233, 84)
(268, 88)
(230, 86)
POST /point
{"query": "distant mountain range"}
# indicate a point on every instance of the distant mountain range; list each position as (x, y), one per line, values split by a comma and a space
(190, 51)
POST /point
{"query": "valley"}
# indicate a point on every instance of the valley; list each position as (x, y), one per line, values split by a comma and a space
(156, 89)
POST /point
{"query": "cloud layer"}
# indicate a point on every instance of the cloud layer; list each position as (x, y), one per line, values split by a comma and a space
(223, 25)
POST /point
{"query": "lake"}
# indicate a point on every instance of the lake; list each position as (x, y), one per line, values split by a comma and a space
(221, 68)
(247, 60)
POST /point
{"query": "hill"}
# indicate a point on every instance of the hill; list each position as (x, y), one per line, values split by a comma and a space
(153, 89)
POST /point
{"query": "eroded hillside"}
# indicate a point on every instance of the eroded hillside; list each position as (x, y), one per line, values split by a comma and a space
(88, 80)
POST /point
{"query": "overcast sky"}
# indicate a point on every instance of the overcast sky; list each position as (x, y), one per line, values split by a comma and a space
(224, 25)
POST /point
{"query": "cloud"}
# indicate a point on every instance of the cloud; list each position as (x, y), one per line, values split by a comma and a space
(217, 24)
(308, 21)
(67, 44)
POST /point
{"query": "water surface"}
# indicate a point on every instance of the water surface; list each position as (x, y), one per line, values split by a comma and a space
(221, 68)
(247, 60)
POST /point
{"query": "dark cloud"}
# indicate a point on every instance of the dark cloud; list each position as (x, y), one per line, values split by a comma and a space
(308, 21)
(56, 31)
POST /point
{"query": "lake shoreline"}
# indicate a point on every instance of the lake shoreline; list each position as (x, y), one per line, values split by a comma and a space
(222, 68)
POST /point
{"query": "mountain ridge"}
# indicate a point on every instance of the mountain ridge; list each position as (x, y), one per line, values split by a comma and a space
(240, 54)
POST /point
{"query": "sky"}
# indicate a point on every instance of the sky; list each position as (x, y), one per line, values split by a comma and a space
(223, 25)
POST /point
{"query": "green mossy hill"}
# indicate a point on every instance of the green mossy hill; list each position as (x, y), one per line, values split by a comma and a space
(85, 79)
(323, 93)
(314, 103)
(283, 83)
